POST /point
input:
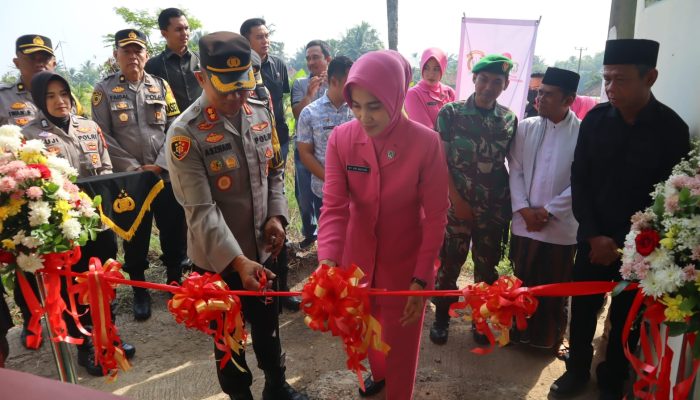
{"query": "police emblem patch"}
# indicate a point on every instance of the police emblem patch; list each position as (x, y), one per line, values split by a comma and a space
(21, 121)
(224, 182)
(231, 162)
(214, 137)
(205, 126)
(259, 127)
(211, 114)
(268, 153)
(123, 117)
(179, 146)
(233, 62)
(216, 165)
(18, 106)
(96, 98)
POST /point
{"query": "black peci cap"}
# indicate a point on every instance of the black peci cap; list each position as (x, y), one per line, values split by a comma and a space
(631, 51)
(226, 58)
(129, 36)
(563, 78)
(28, 44)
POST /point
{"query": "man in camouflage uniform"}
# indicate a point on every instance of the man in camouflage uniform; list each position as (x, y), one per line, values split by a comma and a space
(134, 110)
(476, 134)
(221, 154)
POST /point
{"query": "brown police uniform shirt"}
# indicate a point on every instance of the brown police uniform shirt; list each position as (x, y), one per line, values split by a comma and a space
(16, 105)
(134, 118)
(223, 180)
(83, 145)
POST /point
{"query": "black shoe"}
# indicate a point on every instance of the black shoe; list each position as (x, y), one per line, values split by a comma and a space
(243, 395)
(129, 350)
(281, 392)
(292, 303)
(307, 242)
(569, 384)
(86, 359)
(609, 395)
(371, 387)
(142, 304)
(439, 333)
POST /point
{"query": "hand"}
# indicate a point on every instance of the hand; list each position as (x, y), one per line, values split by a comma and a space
(249, 272)
(530, 217)
(327, 262)
(604, 250)
(274, 236)
(153, 168)
(463, 211)
(315, 84)
(414, 307)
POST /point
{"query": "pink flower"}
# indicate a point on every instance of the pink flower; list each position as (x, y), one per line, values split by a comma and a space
(640, 267)
(69, 187)
(626, 271)
(641, 221)
(12, 166)
(7, 184)
(689, 273)
(17, 194)
(35, 193)
(23, 174)
(671, 203)
(696, 253)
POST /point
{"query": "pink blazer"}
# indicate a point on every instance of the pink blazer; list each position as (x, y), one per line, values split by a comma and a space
(388, 216)
(423, 106)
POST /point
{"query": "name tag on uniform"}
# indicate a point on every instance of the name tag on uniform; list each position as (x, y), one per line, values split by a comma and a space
(358, 168)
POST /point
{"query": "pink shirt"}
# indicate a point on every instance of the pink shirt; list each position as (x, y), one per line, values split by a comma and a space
(424, 102)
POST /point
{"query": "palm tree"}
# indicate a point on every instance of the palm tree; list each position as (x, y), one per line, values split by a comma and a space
(392, 14)
(359, 40)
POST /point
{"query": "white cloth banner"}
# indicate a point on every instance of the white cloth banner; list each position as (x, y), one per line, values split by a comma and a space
(512, 38)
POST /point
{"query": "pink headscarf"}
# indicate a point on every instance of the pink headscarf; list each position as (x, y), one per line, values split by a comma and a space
(425, 99)
(438, 55)
(384, 74)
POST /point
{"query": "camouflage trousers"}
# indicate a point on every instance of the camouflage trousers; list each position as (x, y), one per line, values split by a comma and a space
(484, 238)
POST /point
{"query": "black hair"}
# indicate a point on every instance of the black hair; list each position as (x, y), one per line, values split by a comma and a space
(249, 24)
(325, 48)
(537, 75)
(165, 15)
(339, 67)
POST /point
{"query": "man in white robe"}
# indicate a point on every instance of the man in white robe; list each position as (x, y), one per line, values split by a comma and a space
(543, 230)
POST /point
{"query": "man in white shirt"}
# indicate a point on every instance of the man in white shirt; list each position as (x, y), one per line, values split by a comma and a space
(543, 230)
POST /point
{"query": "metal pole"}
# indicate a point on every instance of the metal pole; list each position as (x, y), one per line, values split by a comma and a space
(580, 52)
(65, 364)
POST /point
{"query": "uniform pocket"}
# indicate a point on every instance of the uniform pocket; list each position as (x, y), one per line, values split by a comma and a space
(122, 112)
(156, 112)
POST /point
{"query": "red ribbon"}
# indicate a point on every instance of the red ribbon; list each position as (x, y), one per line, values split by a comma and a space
(204, 298)
(334, 301)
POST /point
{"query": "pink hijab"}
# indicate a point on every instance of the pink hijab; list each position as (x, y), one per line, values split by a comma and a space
(386, 74)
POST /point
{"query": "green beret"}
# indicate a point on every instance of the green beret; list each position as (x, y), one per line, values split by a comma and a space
(496, 63)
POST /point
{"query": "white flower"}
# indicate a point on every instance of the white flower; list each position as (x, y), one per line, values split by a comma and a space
(662, 280)
(39, 213)
(62, 195)
(10, 143)
(33, 146)
(71, 228)
(30, 263)
(61, 165)
(17, 239)
(32, 242)
(11, 131)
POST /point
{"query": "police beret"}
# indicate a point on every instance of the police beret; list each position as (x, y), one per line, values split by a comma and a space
(129, 36)
(563, 78)
(631, 51)
(225, 56)
(495, 63)
(28, 44)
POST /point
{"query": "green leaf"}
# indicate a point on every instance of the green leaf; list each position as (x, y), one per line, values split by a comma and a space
(684, 195)
(688, 304)
(677, 328)
(97, 200)
(658, 206)
(620, 287)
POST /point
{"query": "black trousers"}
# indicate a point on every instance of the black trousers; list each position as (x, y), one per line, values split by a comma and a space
(584, 310)
(170, 220)
(264, 324)
(104, 247)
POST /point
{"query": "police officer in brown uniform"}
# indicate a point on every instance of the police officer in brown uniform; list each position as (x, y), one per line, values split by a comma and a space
(134, 110)
(219, 153)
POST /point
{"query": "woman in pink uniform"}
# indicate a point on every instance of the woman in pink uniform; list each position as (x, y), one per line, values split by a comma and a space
(384, 209)
(425, 99)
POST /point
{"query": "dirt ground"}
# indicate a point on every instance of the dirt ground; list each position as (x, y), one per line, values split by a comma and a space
(175, 363)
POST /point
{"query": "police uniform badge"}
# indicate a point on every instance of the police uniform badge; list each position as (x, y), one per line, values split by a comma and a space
(18, 106)
(96, 98)
(231, 162)
(214, 137)
(211, 114)
(205, 126)
(224, 183)
(180, 146)
(216, 165)
(118, 89)
(123, 117)
(259, 127)
(21, 121)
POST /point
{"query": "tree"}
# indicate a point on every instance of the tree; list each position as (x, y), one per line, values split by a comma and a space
(538, 64)
(392, 14)
(359, 40)
(591, 68)
(10, 77)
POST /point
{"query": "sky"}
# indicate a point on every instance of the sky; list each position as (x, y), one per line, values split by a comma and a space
(79, 25)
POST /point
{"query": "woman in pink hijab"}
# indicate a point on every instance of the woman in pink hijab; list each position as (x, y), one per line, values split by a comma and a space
(424, 100)
(384, 209)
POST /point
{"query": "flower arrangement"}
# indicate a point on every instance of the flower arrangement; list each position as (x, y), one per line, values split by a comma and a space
(42, 211)
(662, 249)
